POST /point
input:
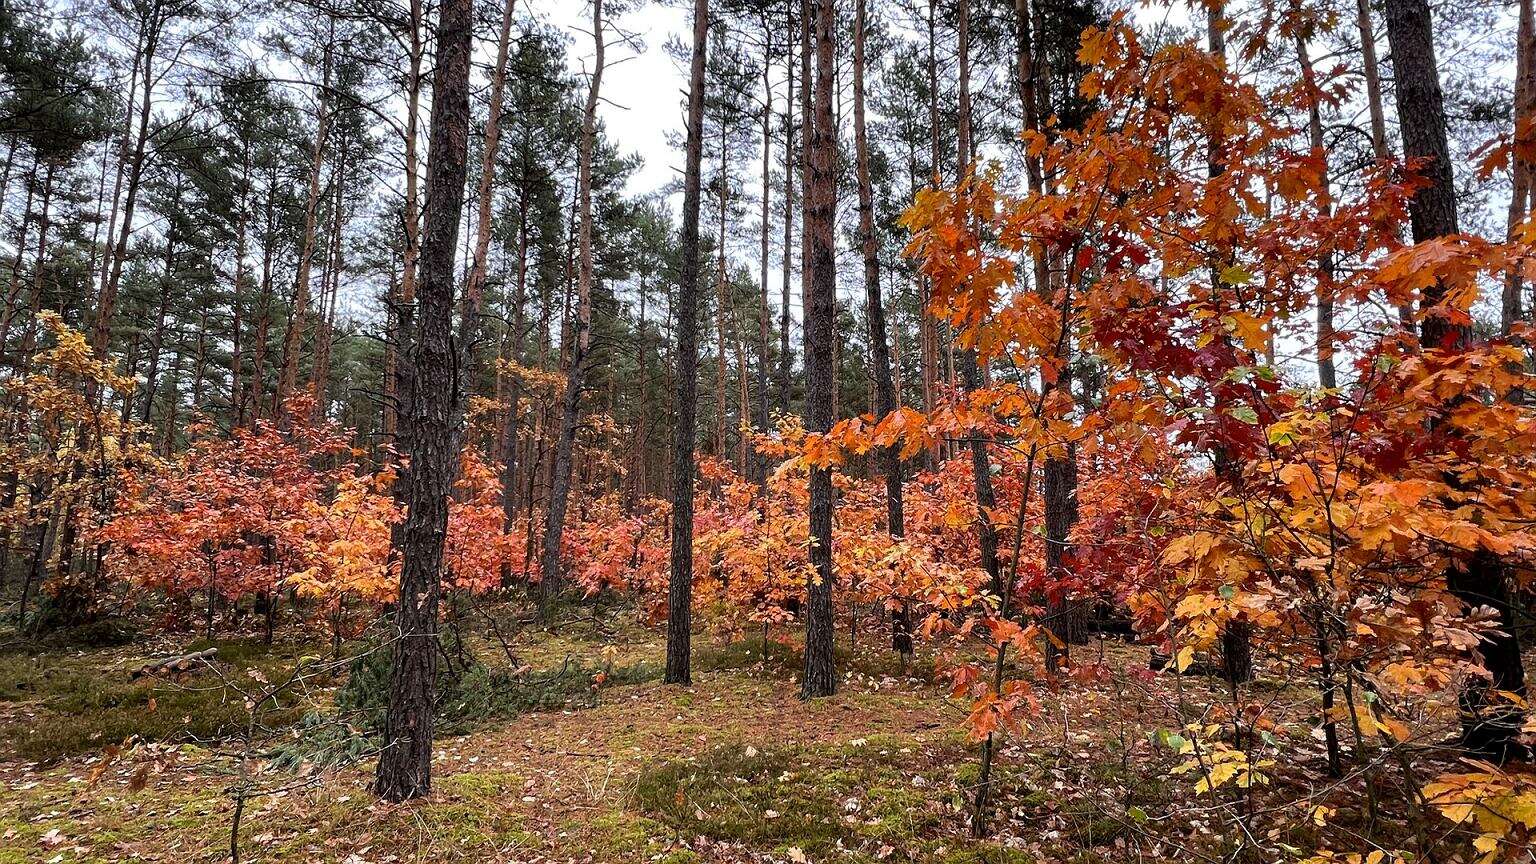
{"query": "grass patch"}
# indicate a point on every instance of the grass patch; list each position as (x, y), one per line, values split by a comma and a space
(470, 697)
(849, 799)
(64, 705)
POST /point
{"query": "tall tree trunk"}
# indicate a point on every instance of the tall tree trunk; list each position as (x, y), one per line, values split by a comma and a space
(124, 157)
(237, 287)
(396, 380)
(13, 294)
(680, 581)
(1524, 171)
(1489, 729)
(263, 306)
(1371, 68)
(927, 329)
(330, 285)
(786, 361)
(820, 677)
(474, 286)
(511, 431)
(1236, 650)
(106, 301)
(29, 337)
(885, 385)
(722, 303)
(560, 482)
(293, 337)
(1062, 609)
(639, 468)
(1326, 374)
(405, 765)
(157, 339)
(760, 421)
(970, 370)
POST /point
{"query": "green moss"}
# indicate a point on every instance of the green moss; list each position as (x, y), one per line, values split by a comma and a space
(492, 785)
(622, 836)
(741, 794)
(839, 800)
(83, 702)
(985, 853)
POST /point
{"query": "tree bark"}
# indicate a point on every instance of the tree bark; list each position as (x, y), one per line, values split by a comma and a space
(1326, 374)
(396, 380)
(1488, 730)
(106, 301)
(513, 426)
(786, 361)
(680, 582)
(820, 677)
(560, 481)
(1237, 653)
(760, 420)
(405, 765)
(885, 385)
(1524, 172)
(293, 336)
(474, 287)
(722, 302)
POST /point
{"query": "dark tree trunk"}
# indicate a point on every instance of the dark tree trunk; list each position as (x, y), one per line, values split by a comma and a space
(760, 420)
(820, 678)
(511, 431)
(1326, 374)
(680, 583)
(1521, 192)
(785, 359)
(293, 336)
(1492, 731)
(1061, 608)
(560, 478)
(1236, 652)
(106, 302)
(405, 766)
(885, 384)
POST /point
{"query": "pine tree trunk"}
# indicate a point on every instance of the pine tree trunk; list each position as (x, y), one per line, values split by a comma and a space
(927, 328)
(1237, 653)
(293, 336)
(1524, 171)
(1492, 731)
(106, 301)
(786, 360)
(511, 433)
(680, 582)
(237, 286)
(1326, 374)
(560, 481)
(474, 287)
(405, 765)
(1059, 490)
(263, 308)
(820, 678)
(760, 420)
(722, 301)
(330, 286)
(396, 379)
(885, 386)
(13, 293)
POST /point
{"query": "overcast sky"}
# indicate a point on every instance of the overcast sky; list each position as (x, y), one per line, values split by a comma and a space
(642, 92)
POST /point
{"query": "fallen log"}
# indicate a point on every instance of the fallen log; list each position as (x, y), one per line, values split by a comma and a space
(181, 663)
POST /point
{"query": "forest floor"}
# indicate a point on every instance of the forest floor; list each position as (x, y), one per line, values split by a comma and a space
(617, 767)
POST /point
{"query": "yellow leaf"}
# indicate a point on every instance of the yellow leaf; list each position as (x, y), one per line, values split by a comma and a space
(1185, 657)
